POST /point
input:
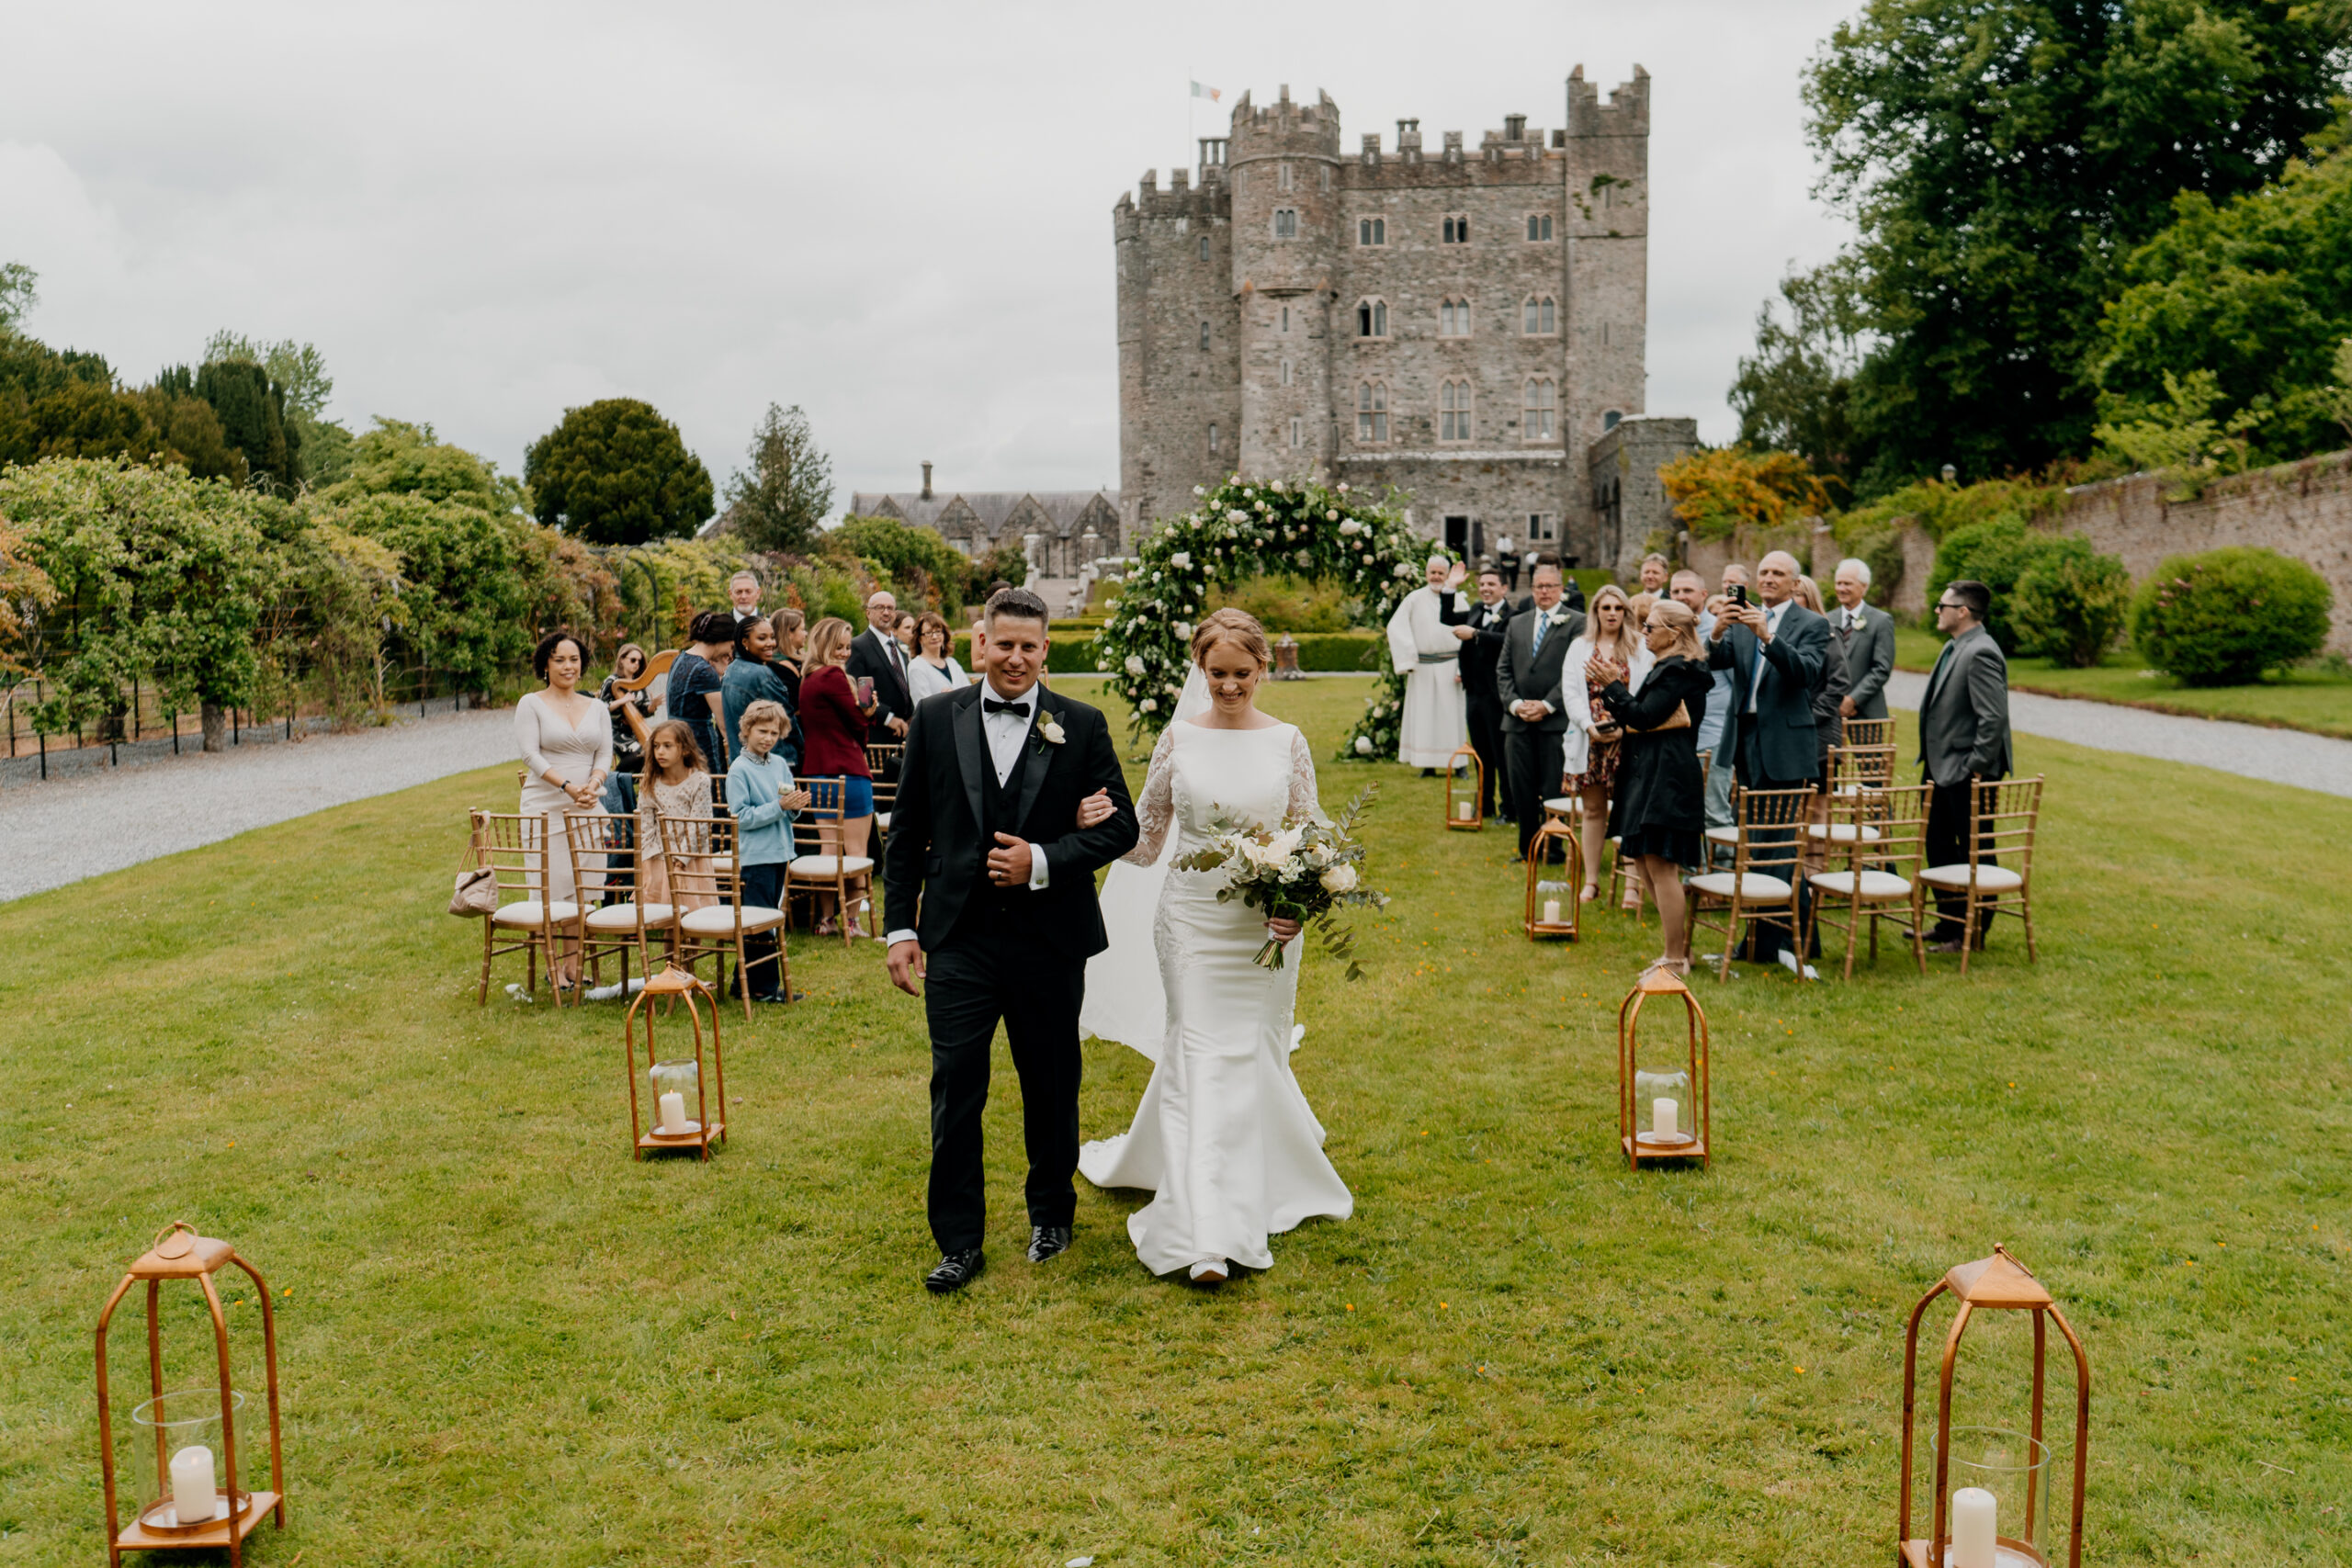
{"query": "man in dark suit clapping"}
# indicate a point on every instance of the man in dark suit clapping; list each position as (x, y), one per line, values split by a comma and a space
(1480, 626)
(1775, 648)
(1963, 738)
(1527, 680)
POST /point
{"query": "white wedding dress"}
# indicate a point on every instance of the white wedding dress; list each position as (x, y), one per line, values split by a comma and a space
(1224, 1139)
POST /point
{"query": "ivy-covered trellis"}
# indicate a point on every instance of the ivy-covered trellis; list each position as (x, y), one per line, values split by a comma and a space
(1243, 529)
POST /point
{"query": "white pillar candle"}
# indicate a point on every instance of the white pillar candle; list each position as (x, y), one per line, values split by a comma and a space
(194, 1498)
(1464, 809)
(1551, 911)
(1662, 1118)
(673, 1112)
(1972, 1515)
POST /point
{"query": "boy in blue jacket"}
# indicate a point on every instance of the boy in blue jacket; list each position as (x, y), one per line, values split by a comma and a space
(761, 796)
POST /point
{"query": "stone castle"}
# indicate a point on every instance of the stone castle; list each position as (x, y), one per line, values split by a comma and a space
(1465, 325)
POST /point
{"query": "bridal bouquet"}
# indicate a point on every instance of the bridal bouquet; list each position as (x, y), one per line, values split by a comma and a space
(1304, 868)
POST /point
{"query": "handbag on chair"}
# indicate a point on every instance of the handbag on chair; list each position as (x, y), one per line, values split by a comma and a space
(475, 892)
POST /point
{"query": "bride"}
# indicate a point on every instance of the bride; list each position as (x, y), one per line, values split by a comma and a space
(1224, 1139)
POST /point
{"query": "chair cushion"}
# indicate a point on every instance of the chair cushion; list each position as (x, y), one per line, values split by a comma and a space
(826, 867)
(530, 913)
(1989, 878)
(1572, 803)
(623, 917)
(1843, 832)
(882, 820)
(1722, 835)
(1758, 889)
(1875, 884)
(720, 920)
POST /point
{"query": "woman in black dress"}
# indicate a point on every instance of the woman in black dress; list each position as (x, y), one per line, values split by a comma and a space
(1658, 814)
(629, 752)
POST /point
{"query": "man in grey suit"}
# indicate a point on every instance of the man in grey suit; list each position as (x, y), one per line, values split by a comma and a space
(1775, 649)
(1865, 638)
(1527, 679)
(1963, 738)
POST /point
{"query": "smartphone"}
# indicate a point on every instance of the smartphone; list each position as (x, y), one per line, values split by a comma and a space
(866, 690)
(1740, 595)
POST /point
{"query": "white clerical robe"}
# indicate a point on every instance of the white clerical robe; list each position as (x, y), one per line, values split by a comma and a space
(1422, 649)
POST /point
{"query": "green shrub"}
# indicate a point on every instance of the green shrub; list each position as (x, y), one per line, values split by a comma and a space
(1997, 554)
(2071, 602)
(1284, 601)
(2223, 618)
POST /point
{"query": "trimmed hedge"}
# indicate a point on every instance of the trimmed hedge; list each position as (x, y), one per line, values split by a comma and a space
(2223, 618)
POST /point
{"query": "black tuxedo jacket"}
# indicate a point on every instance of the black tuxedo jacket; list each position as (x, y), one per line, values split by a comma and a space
(1785, 731)
(936, 856)
(1524, 674)
(868, 657)
(1481, 653)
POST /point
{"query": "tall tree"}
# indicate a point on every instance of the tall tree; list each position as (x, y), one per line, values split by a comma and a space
(777, 502)
(2001, 157)
(616, 472)
(1795, 392)
(252, 411)
(298, 372)
(18, 294)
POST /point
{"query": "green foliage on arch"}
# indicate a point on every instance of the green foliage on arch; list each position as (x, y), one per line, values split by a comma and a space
(1239, 530)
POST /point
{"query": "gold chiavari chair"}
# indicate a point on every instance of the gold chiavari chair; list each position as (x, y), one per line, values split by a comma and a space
(882, 762)
(821, 867)
(1881, 835)
(719, 929)
(1868, 731)
(605, 847)
(514, 847)
(1761, 886)
(2007, 813)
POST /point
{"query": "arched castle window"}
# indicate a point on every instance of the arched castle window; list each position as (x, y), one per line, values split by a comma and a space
(1457, 227)
(1372, 412)
(1212, 438)
(1285, 372)
(1372, 230)
(1371, 317)
(1284, 182)
(1297, 432)
(1540, 412)
(1453, 412)
(1454, 318)
(1285, 222)
(1204, 337)
(1609, 421)
(1538, 317)
(1539, 227)
(1204, 247)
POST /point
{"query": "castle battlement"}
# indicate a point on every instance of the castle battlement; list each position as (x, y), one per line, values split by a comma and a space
(1283, 128)
(1627, 112)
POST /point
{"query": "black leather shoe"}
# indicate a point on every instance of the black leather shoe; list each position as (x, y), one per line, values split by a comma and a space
(1952, 945)
(956, 1270)
(1047, 1241)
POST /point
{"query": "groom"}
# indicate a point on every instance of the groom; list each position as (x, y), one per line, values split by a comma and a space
(990, 887)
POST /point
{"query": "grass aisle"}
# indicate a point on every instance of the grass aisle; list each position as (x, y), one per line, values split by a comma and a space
(505, 1343)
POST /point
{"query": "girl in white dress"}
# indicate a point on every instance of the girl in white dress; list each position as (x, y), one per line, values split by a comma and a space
(1224, 1138)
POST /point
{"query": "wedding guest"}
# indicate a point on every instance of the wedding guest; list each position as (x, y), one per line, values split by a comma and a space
(1963, 738)
(1527, 679)
(761, 797)
(1724, 768)
(903, 629)
(567, 743)
(791, 628)
(1480, 627)
(744, 594)
(629, 745)
(697, 682)
(1589, 751)
(1658, 814)
(834, 724)
(1688, 589)
(876, 654)
(1828, 692)
(933, 669)
(677, 784)
(1655, 571)
(1865, 640)
(752, 679)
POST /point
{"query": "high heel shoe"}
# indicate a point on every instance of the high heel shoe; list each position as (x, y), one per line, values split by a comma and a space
(1209, 1271)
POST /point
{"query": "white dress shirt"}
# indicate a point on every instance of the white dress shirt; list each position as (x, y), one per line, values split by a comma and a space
(1772, 613)
(1006, 733)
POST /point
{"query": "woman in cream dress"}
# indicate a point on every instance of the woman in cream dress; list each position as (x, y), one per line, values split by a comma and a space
(567, 743)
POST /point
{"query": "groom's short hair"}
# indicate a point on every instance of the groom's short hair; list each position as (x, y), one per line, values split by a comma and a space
(1018, 603)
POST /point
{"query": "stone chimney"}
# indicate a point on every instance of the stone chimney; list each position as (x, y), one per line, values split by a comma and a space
(926, 482)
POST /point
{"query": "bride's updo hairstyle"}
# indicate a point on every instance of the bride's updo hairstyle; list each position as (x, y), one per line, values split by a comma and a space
(1237, 627)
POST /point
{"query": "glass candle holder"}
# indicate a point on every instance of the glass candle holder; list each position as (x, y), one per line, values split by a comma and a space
(1664, 1113)
(189, 1419)
(677, 1096)
(1552, 901)
(2013, 1471)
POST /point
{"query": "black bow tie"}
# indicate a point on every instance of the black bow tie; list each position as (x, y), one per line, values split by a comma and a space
(990, 706)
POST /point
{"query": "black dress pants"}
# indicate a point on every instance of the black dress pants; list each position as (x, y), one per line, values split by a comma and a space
(1534, 758)
(986, 972)
(1486, 717)
(1948, 831)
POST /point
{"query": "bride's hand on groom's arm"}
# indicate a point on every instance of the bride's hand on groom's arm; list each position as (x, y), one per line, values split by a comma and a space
(1096, 810)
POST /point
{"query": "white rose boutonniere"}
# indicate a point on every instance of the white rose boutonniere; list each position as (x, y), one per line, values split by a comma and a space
(1049, 732)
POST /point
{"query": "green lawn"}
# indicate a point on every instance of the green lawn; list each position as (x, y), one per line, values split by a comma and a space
(504, 1342)
(2317, 700)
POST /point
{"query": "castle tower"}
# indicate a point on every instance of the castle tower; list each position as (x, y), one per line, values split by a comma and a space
(1284, 169)
(1179, 371)
(1606, 283)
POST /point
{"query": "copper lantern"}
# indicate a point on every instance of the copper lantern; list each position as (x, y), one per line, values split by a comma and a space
(1465, 786)
(2000, 1518)
(687, 1093)
(1552, 906)
(1664, 1106)
(196, 1506)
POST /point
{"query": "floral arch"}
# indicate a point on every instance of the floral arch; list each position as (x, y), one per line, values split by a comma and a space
(1236, 531)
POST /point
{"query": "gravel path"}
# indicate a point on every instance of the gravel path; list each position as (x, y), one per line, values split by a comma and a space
(71, 828)
(2281, 756)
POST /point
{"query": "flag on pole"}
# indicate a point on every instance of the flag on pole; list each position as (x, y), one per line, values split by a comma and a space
(1212, 94)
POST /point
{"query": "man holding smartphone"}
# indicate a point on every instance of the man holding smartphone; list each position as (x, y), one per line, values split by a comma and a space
(877, 657)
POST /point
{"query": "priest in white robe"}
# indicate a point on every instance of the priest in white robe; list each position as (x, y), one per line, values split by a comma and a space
(1422, 649)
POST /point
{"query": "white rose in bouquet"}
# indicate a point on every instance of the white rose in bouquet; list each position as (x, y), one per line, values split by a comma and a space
(1339, 879)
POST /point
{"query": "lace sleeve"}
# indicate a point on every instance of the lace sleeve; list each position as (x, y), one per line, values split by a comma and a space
(1303, 801)
(1156, 808)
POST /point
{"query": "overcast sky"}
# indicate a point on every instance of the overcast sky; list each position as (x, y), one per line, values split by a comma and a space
(897, 217)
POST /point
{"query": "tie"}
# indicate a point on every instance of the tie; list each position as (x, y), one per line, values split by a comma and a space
(991, 706)
(1536, 644)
